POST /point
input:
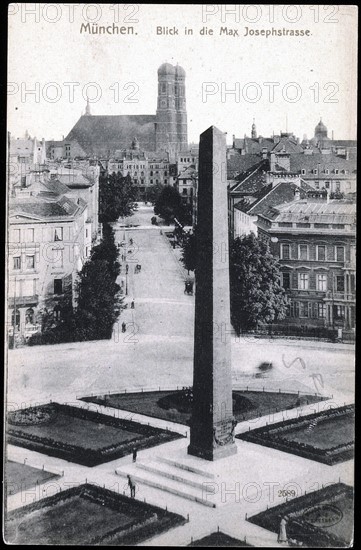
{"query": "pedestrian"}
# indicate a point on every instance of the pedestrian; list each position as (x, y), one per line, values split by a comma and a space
(132, 305)
(134, 455)
(282, 534)
(124, 327)
(131, 486)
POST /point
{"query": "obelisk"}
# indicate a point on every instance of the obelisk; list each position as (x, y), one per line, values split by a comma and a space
(212, 422)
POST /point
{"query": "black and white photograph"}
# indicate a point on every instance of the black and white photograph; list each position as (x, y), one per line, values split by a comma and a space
(180, 275)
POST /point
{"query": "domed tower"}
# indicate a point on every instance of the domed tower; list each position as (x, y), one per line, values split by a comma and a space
(320, 131)
(180, 102)
(166, 126)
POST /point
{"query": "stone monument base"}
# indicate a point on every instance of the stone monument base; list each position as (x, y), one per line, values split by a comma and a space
(213, 454)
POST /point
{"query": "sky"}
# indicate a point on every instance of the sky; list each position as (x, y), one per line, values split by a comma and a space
(311, 76)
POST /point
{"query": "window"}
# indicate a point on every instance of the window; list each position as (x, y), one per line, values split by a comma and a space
(286, 280)
(340, 253)
(303, 281)
(16, 235)
(340, 283)
(336, 170)
(303, 309)
(317, 184)
(58, 234)
(338, 186)
(58, 257)
(17, 262)
(86, 233)
(321, 253)
(30, 235)
(322, 282)
(30, 262)
(352, 282)
(29, 316)
(315, 171)
(327, 171)
(57, 313)
(23, 182)
(285, 252)
(302, 252)
(151, 172)
(303, 171)
(322, 310)
(58, 286)
(184, 191)
(339, 312)
(327, 184)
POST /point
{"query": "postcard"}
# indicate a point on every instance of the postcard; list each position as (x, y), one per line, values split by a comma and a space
(180, 274)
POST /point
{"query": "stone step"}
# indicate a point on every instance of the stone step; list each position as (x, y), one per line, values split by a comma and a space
(171, 472)
(187, 467)
(165, 484)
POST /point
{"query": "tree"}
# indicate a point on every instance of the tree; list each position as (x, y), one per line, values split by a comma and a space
(168, 205)
(117, 196)
(153, 192)
(95, 305)
(189, 254)
(256, 292)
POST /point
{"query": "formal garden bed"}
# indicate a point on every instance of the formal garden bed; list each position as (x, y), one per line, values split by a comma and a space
(78, 435)
(176, 406)
(21, 477)
(326, 437)
(321, 519)
(218, 539)
(87, 515)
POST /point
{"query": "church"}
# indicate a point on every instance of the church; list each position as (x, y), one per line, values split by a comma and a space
(166, 131)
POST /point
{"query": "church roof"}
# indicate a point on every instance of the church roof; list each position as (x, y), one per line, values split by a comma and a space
(166, 68)
(101, 134)
(320, 128)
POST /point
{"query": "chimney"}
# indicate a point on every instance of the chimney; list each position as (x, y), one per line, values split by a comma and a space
(273, 162)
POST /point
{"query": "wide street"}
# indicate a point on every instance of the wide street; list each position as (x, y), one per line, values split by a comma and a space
(157, 348)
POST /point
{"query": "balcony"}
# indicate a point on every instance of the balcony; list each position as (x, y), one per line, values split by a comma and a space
(341, 296)
(24, 301)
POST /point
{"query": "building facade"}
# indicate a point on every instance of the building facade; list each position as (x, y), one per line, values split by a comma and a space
(315, 243)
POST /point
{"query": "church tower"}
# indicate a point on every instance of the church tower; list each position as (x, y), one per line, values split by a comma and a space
(166, 125)
(180, 102)
(171, 133)
(254, 131)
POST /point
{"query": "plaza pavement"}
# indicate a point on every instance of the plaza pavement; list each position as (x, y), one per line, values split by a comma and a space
(156, 352)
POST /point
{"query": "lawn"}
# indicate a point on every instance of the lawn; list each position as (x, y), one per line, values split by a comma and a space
(87, 515)
(167, 405)
(322, 518)
(80, 436)
(20, 477)
(327, 437)
(218, 539)
(325, 434)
